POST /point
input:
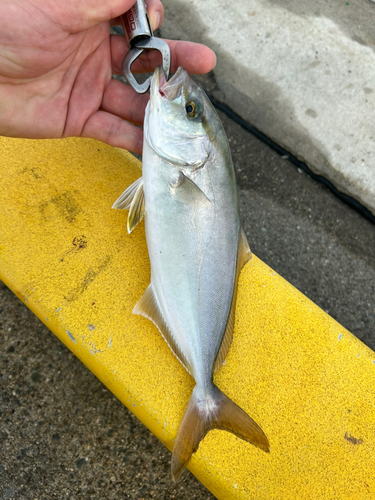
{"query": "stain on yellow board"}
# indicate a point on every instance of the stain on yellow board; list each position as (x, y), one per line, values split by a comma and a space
(306, 380)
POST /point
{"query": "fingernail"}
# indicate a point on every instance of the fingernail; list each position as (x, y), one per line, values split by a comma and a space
(155, 20)
(215, 59)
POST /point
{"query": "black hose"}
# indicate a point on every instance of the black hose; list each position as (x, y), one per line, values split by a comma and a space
(348, 200)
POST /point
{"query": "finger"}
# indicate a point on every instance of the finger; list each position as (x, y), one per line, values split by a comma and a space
(155, 13)
(195, 58)
(121, 100)
(78, 16)
(114, 131)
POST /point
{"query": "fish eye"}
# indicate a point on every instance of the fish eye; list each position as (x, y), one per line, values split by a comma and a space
(192, 109)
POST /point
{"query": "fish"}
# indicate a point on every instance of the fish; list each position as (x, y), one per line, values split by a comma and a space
(197, 248)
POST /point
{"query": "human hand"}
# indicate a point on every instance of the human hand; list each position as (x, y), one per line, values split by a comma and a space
(56, 63)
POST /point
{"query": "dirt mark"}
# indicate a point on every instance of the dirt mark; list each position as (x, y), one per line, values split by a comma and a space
(352, 439)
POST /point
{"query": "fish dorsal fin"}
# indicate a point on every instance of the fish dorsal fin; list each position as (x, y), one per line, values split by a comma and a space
(186, 191)
(124, 201)
(244, 252)
(243, 256)
(148, 307)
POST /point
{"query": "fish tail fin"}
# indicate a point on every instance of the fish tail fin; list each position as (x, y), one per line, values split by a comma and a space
(206, 411)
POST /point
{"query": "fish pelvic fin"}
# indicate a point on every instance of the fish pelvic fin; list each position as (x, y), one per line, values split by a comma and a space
(207, 411)
(133, 199)
(123, 202)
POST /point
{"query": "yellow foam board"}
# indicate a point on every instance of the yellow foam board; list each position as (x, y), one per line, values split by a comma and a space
(306, 380)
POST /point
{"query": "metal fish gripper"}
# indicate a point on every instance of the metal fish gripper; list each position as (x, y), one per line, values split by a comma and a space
(140, 37)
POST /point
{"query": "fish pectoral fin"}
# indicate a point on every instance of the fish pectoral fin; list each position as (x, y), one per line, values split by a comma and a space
(196, 423)
(186, 191)
(123, 202)
(148, 306)
(243, 256)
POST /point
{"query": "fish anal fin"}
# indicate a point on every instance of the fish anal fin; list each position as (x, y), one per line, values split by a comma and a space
(137, 208)
(148, 307)
(212, 411)
(243, 256)
(186, 191)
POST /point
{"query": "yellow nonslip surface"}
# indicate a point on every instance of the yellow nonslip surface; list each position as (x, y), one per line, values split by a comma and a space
(305, 379)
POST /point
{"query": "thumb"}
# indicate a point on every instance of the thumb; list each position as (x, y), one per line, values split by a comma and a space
(82, 15)
(155, 11)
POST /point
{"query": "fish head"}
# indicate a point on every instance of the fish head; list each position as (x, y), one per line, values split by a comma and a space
(181, 124)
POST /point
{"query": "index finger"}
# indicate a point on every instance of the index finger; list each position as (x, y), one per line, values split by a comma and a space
(195, 58)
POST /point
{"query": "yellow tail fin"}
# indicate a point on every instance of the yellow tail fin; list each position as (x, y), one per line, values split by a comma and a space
(206, 410)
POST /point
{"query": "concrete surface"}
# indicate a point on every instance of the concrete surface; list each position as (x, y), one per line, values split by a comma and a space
(301, 72)
(63, 434)
(54, 424)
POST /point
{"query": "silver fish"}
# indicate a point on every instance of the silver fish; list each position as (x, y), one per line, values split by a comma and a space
(196, 247)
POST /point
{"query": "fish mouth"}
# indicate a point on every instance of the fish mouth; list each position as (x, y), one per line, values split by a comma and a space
(160, 77)
(169, 89)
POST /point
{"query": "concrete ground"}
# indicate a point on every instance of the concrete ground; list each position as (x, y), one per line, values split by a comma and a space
(64, 435)
(301, 72)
